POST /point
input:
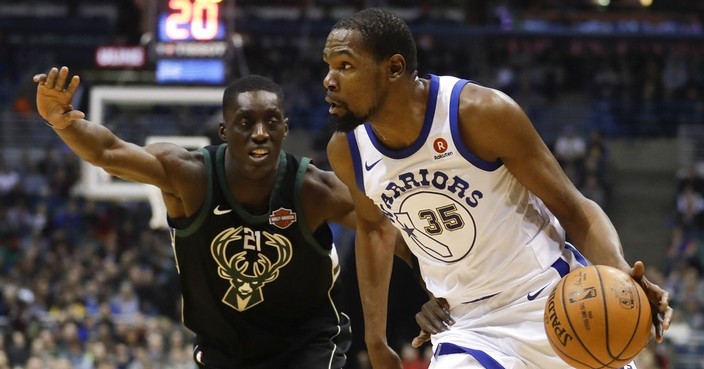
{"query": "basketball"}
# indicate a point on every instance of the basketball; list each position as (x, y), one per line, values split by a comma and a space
(597, 317)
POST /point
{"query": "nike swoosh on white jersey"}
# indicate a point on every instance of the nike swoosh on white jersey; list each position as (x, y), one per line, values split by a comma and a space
(368, 166)
(217, 211)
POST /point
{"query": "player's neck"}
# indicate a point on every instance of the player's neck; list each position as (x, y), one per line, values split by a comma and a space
(400, 119)
(251, 193)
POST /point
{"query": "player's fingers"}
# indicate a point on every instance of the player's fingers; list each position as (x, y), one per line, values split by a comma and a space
(73, 85)
(61, 79)
(638, 270)
(434, 318)
(39, 78)
(419, 340)
(667, 318)
(51, 78)
(430, 323)
(439, 310)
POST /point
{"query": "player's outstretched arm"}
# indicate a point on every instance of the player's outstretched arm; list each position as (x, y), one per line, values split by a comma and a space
(93, 142)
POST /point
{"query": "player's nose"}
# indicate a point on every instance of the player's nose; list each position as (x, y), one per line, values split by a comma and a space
(330, 82)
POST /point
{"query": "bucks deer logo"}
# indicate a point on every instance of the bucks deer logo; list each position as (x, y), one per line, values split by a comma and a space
(248, 264)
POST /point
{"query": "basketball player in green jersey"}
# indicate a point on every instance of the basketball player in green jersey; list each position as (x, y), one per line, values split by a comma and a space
(257, 265)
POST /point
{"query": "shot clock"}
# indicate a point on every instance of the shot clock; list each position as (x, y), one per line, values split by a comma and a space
(191, 41)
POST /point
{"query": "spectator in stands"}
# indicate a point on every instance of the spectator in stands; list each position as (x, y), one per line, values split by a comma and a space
(690, 208)
(9, 180)
(125, 305)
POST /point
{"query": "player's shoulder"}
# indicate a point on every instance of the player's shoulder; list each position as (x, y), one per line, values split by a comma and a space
(481, 103)
(337, 142)
(475, 96)
(322, 191)
(338, 150)
(315, 178)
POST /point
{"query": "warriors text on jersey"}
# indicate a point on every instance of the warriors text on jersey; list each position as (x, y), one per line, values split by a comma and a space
(256, 285)
(461, 216)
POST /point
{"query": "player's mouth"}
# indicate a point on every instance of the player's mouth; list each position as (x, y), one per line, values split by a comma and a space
(259, 154)
(335, 107)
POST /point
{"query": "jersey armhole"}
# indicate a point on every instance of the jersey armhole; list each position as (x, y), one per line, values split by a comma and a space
(298, 203)
(454, 115)
(198, 220)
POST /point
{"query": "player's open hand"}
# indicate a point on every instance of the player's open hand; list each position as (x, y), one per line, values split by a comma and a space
(54, 97)
(434, 317)
(659, 300)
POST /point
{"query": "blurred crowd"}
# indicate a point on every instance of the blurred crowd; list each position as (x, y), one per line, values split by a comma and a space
(84, 284)
(87, 284)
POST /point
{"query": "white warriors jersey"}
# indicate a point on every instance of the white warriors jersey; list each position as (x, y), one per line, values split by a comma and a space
(475, 230)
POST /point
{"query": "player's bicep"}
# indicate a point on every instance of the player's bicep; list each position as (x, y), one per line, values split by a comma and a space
(525, 155)
(156, 164)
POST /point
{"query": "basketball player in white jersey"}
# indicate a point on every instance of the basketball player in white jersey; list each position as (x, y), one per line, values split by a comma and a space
(478, 196)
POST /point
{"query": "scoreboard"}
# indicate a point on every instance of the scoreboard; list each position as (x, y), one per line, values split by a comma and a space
(191, 42)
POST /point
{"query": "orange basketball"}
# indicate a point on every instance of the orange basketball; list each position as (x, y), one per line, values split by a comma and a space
(597, 317)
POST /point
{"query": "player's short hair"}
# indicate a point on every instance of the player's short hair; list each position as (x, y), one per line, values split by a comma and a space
(384, 33)
(252, 82)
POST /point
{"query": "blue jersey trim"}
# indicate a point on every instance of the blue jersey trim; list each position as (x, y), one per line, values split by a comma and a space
(425, 131)
(562, 267)
(356, 160)
(577, 255)
(455, 129)
(482, 357)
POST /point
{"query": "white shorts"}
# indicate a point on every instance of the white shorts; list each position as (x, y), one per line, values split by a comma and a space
(506, 330)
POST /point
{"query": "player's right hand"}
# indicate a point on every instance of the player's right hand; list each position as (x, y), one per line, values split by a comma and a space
(434, 317)
(54, 97)
(659, 301)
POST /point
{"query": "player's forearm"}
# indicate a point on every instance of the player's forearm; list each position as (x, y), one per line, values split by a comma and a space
(87, 140)
(375, 252)
(599, 241)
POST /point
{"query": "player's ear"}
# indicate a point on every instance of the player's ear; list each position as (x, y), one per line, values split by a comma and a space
(397, 66)
(221, 131)
(285, 127)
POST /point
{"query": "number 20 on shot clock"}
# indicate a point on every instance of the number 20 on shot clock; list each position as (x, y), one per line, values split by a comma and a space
(190, 20)
(191, 41)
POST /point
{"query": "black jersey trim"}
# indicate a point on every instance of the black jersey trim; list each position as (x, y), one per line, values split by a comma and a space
(205, 207)
(298, 204)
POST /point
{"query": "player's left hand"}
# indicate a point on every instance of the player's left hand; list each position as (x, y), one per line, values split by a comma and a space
(659, 300)
(54, 97)
(434, 317)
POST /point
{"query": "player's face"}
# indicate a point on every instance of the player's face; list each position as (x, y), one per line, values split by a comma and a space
(254, 130)
(354, 79)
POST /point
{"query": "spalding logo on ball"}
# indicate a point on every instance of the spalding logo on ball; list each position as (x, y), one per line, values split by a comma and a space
(597, 317)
